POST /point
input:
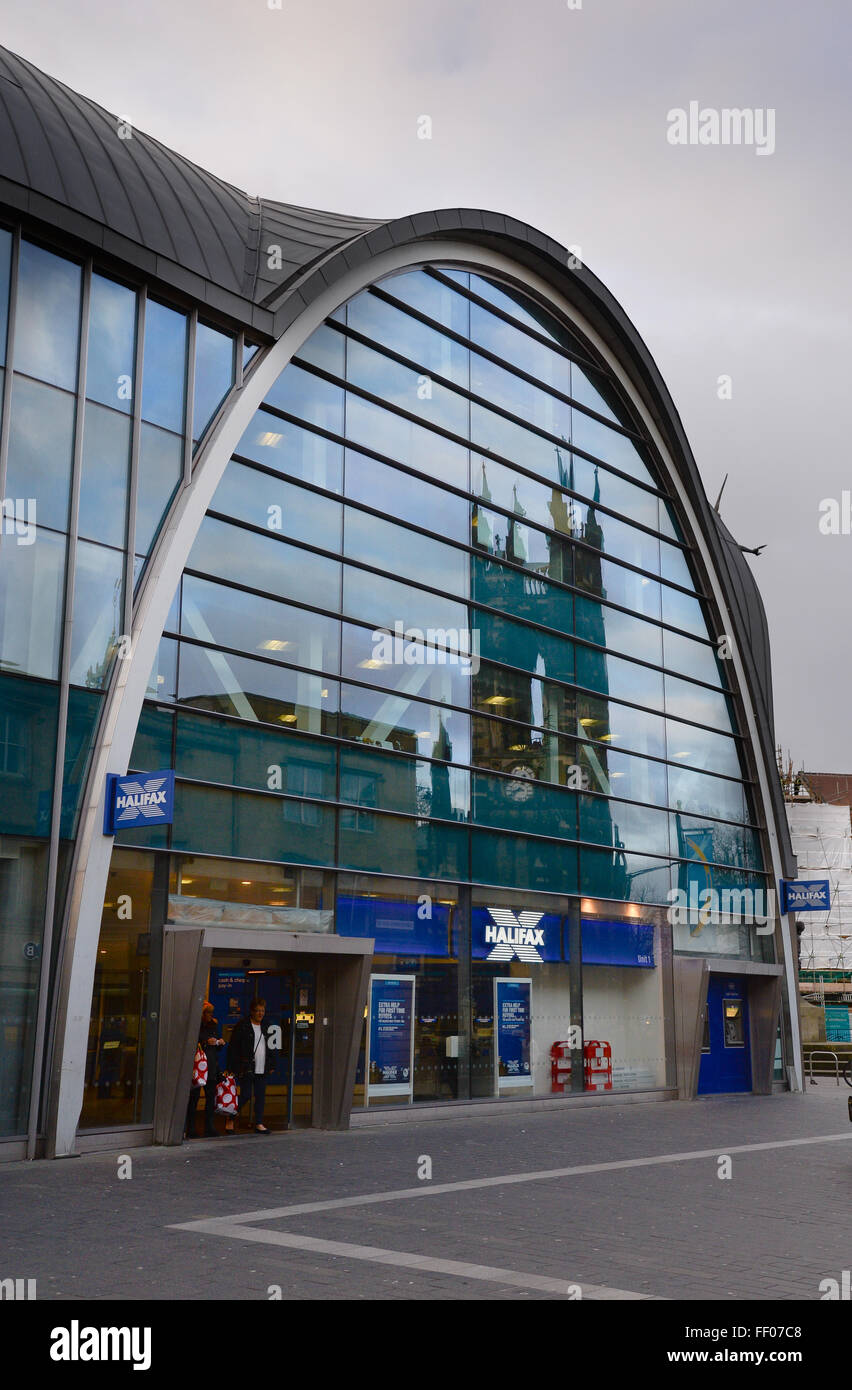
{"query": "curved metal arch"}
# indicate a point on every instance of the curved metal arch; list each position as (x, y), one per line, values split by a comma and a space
(584, 302)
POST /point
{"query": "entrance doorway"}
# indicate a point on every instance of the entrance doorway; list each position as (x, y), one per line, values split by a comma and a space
(726, 1047)
(290, 996)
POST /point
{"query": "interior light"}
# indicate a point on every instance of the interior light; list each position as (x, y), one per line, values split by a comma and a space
(268, 440)
(517, 748)
(287, 718)
(682, 755)
(586, 722)
(273, 644)
(498, 700)
(372, 663)
(616, 774)
(246, 882)
(187, 880)
(423, 733)
(324, 694)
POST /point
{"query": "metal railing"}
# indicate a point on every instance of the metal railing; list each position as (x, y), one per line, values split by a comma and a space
(822, 1052)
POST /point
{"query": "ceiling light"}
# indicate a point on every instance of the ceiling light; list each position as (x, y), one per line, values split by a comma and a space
(682, 755)
(498, 700)
(586, 722)
(273, 644)
(268, 440)
(287, 718)
(372, 663)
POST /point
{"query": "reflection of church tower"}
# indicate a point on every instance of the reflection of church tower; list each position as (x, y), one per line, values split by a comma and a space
(515, 548)
(562, 518)
(483, 537)
(441, 806)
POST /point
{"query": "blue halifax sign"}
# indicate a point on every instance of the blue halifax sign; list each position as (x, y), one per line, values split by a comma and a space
(143, 798)
(805, 895)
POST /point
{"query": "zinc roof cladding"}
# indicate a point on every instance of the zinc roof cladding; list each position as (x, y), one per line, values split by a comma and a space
(58, 145)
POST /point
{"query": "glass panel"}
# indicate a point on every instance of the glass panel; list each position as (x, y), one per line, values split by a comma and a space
(28, 714)
(518, 305)
(384, 602)
(398, 723)
(417, 847)
(84, 708)
(624, 680)
(160, 473)
(119, 1066)
(516, 862)
(623, 825)
(249, 350)
(5, 271)
(524, 699)
(623, 1004)
(688, 701)
(692, 659)
(327, 349)
(609, 722)
(293, 451)
(681, 610)
(98, 596)
(214, 750)
(245, 825)
(705, 795)
(162, 682)
(586, 393)
(283, 508)
(623, 541)
(406, 498)
(262, 562)
(519, 802)
(47, 320)
(500, 639)
(431, 297)
(164, 367)
(634, 591)
(386, 782)
(532, 451)
(699, 748)
(523, 597)
(41, 445)
(247, 622)
(519, 751)
(619, 774)
(674, 566)
(112, 344)
(257, 690)
(152, 747)
(401, 333)
(426, 672)
(715, 842)
(519, 397)
(612, 628)
(609, 446)
(406, 388)
(521, 350)
(376, 428)
(214, 374)
(105, 476)
(405, 553)
(523, 497)
(32, 578)
(308, 397)
(23, 877)
(507, 538)
(625, 877)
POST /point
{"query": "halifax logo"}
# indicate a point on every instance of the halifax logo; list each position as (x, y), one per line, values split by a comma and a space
(514, 936)
(147, 798)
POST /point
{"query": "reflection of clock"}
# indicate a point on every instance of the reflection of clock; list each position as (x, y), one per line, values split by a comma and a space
(519, 789)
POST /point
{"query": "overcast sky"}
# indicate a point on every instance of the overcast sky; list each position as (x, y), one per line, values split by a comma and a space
(727, 261)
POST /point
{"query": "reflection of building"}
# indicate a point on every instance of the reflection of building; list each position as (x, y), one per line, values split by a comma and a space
(251, 492)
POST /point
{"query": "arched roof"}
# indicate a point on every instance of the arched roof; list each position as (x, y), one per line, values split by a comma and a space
(62, 162)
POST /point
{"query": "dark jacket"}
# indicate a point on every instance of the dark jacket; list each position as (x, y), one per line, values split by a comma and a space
(241, 1048)
(207, 1031)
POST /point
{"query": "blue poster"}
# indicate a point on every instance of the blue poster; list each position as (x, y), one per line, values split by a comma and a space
(513, 1032)
(390, 1043)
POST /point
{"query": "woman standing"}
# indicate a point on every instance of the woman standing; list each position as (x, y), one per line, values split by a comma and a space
(209, 1040)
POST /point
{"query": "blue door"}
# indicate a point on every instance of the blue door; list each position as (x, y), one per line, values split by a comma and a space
(726, 1051)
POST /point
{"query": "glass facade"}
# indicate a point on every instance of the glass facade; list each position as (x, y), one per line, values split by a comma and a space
(89, 464)
(440, 636)
(439, 667)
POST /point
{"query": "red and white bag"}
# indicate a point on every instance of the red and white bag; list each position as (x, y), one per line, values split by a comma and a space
(199, 1067)
(226, 1096)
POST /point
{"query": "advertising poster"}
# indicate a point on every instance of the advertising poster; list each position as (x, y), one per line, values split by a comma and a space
(512, 1033)
(390, 1037)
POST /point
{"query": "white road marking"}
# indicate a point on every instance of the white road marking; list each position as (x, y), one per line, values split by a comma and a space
(405, 1260)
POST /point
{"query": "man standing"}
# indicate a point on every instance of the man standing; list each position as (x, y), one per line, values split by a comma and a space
(250, 1058)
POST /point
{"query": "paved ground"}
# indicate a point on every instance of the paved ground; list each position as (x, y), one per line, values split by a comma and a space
(506, 1215)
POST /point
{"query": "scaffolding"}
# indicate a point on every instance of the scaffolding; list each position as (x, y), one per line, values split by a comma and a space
(822, 843)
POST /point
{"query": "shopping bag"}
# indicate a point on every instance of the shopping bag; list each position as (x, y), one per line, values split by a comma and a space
(226, 1096)
(199, 1067)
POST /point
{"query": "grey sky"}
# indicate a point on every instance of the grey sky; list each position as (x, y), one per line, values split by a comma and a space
(727, 261)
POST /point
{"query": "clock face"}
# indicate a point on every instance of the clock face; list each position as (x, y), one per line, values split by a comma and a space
(520, 788)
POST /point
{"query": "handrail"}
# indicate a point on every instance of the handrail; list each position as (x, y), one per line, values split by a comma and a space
(822, 1052)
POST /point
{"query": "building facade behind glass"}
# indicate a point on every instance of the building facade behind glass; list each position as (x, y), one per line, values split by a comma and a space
(447, 668)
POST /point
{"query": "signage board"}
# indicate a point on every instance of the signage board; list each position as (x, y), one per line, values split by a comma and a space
(805, 895)
(512, 1033)
(142, 798)
(390, 1037)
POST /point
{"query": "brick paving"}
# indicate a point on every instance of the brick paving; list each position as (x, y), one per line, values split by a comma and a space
(780, 1225)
